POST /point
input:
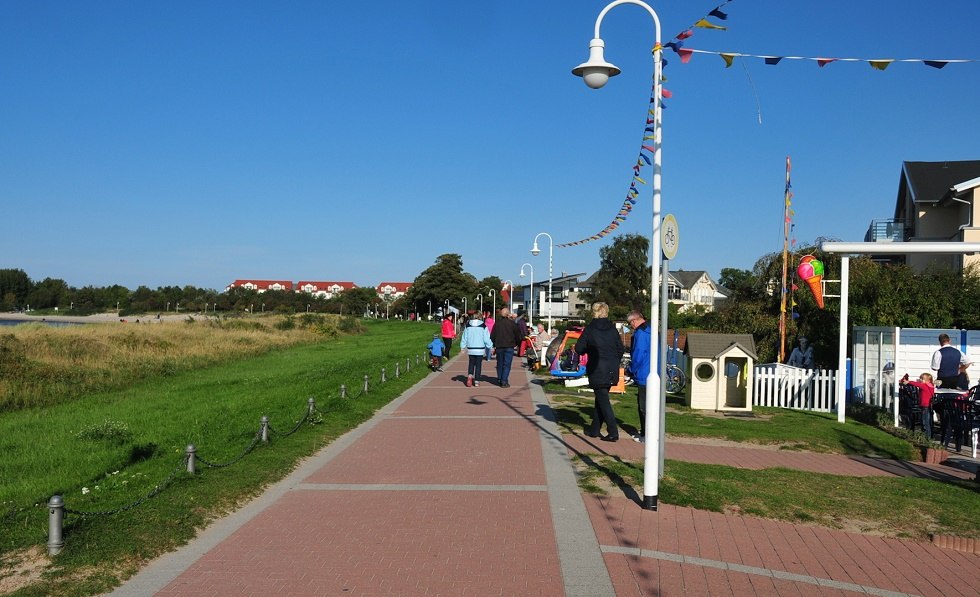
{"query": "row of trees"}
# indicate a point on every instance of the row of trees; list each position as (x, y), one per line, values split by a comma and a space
(18, 291)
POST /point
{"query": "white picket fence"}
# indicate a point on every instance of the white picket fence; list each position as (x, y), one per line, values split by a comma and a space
(790, 387)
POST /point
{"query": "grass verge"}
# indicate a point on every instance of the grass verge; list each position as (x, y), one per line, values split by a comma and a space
(75, 449)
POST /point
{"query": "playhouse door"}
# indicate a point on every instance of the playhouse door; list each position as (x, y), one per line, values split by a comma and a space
(735, 384)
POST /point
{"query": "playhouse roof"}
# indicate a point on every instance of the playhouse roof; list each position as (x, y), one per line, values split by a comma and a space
(708, 346)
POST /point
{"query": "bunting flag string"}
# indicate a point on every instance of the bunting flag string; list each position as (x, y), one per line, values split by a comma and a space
(650, 143)
(686, 54)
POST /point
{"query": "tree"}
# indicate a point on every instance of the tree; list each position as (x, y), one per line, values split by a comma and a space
(623, 279)
(356, 300)
(741, 283)
(14, 284)
(441, 281)
(49, 293)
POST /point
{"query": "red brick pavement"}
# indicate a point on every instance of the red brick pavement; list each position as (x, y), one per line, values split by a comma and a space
(682, 551)
(395, 513)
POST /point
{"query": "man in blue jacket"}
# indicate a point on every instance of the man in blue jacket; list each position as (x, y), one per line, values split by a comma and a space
(640, 365)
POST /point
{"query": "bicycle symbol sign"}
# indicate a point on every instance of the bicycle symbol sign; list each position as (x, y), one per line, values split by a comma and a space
(670, 236)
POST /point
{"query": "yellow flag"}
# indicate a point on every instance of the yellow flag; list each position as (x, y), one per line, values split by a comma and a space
(880, 64)
(639, 179)
(728, 58)
(706, 24)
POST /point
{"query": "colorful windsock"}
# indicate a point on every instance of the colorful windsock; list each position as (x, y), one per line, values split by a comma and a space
(810, 271)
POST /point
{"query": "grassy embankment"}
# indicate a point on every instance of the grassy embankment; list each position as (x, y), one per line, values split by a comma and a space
(901, 507)
(103, 450)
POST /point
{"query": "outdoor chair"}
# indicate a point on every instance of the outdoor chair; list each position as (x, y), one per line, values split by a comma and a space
(909, 410)
(956, 415)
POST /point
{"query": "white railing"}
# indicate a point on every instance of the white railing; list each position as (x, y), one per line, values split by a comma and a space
(790, 387)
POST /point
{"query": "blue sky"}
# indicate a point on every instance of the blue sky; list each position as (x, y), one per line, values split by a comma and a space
(199, 142)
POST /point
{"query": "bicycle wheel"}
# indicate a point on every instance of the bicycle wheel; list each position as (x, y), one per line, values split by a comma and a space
(675, 379)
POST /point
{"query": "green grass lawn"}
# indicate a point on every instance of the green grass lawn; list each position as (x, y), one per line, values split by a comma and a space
(107, 450)
(789, 429)
(899, 507)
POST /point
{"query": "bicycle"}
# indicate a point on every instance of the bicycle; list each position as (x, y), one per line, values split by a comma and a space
(676, 379)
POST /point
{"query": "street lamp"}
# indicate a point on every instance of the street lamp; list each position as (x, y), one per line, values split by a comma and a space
(511, 283)
(480, 296)
(494, 293)
(430, 309)
(551, 254)
(307, 307)
(464, 305)
(596, 73)
(530, 308)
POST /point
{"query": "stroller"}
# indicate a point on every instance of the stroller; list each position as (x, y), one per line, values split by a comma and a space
(531, 356)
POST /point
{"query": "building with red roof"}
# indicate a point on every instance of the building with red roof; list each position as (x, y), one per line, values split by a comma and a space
(261, 285)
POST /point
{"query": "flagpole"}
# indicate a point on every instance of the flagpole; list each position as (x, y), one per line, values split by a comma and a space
(782, 299)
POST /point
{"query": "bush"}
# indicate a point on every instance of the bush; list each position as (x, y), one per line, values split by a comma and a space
(288, 322)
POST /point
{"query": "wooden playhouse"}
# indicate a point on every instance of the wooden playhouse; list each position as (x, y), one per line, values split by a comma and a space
(721, 371)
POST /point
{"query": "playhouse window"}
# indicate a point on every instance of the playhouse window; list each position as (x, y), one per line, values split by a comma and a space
(704, 371)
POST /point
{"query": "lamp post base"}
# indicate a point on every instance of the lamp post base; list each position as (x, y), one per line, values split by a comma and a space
(650, 502)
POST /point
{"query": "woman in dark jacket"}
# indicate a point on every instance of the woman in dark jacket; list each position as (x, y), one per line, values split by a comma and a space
(601, 341)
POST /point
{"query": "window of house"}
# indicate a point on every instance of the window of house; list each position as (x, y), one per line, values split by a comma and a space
(704, 371)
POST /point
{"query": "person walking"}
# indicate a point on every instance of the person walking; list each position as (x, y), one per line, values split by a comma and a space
(601, 341)
(639, 367)
(506, 337)
(475, 340)
(448, 332)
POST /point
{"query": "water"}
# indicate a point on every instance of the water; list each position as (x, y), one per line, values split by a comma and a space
(54, 324)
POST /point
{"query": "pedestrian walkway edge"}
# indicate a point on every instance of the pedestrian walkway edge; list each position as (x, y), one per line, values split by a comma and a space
(583, 568)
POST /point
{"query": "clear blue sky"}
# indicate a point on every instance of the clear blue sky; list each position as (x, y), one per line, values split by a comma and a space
(199, 142)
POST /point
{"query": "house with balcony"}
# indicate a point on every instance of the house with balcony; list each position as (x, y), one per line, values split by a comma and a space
(392, 291)
(326, 290)
(261, 285)
(936, 202)
(691, 289)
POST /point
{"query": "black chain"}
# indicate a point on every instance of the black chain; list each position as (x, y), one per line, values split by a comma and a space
(160, 487)
(249, 448)
(295, 427)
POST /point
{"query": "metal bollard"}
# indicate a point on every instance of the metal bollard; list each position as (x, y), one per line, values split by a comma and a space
(384, 377)
(397, 372)
(365, 384)
(264, 429)
(408, 364)
(191, 451)
(418, 359)
(56, 516)
(311, 406)
(343, 391)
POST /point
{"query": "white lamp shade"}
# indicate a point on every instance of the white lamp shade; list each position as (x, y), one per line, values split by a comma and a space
(596, 71)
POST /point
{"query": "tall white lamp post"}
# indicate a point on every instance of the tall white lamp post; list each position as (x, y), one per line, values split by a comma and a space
(511, 283)
(430, 309)
(596, 72)
(480, 296)
(530, 307)
(551, 258)
(494, 312)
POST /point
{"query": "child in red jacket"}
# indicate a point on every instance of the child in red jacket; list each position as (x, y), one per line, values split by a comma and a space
(926, 392)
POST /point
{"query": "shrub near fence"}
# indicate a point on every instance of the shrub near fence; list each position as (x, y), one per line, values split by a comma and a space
(790, 387)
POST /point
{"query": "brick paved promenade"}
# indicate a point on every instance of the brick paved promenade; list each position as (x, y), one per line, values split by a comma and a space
(469, 491)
